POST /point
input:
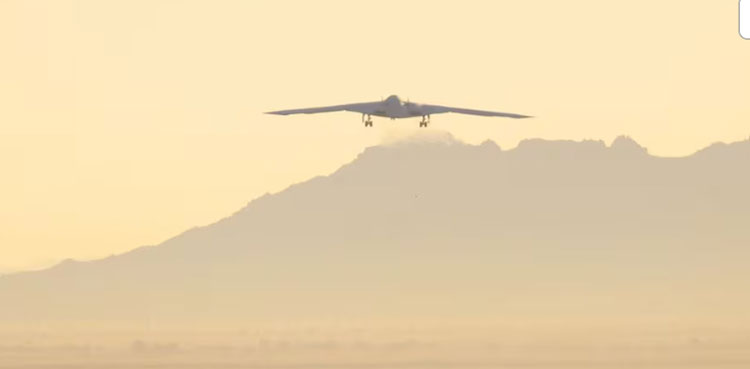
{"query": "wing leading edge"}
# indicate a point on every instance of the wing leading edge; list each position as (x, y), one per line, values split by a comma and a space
(364, 108)
(437, 109)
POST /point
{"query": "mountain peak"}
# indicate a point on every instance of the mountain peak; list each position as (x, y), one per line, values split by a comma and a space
(627, 145)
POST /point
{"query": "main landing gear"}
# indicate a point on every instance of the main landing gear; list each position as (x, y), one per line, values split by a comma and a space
(425, 121)
(368, 122)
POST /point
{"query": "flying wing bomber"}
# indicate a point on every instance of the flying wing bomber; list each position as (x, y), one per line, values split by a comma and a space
(395, 108)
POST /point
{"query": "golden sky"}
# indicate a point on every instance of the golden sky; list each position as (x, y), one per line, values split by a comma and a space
(123, 123)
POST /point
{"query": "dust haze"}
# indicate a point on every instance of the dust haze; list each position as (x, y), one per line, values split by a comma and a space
(424, 252)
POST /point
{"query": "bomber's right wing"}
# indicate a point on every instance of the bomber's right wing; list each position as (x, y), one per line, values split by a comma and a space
(437, 109)
(364, 108)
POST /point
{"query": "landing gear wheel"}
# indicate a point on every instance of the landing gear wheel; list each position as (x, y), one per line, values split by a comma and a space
(425, 121)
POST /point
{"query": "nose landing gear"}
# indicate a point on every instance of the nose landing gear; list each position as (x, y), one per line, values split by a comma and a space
(368, 122)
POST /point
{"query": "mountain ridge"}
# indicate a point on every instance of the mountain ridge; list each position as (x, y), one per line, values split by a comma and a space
(622, 142)
(421, 217)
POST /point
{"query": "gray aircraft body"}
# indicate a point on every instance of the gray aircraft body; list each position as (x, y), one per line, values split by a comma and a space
(394, 108)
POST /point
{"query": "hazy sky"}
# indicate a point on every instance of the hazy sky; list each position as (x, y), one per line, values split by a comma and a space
(123, 123)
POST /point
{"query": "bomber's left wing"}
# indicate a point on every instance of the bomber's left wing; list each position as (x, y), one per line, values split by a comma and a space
(364, 108)
(437, 109)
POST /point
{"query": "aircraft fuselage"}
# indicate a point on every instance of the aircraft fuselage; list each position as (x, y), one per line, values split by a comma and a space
(394, 108)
